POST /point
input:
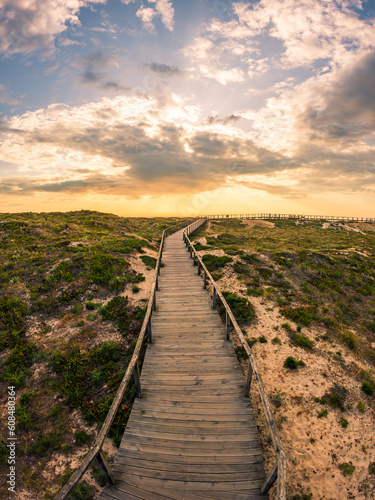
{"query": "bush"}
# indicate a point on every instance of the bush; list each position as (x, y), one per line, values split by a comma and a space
(346, 468)
(135, 289)
(371, 468)
(81, 437)
(91, 306)
(292, 363)
(361, 407)
(48, 442)
(368, 388)
(303, 341)
(301, 315)
(213, 263)
(336, 396)
(262, 339)
(276, 340)
(241, 307)
(149, 261)
(344, 423)
(350, 339)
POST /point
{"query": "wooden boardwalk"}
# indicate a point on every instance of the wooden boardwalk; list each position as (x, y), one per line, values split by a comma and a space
(192, 435)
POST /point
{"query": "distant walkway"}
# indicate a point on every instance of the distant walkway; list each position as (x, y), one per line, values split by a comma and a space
(332, 218)
(192, 435)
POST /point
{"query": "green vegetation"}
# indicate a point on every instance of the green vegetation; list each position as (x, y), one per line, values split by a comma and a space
(344, 423)
(81, 437)
(302, 341)
(368, 388)
(322, 413)
(213, 263)
(149, 261)
(347, 468)
(302, 496)
(316, 276)
(336, 396)
(371, 468)
(240, 306)
(361, 407)
(292, 363)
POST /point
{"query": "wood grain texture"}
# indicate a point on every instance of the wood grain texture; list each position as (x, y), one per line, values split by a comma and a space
(192, 435)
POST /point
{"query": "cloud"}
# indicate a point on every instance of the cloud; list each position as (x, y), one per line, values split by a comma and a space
(163, 9)
(345, 108)
(26, 26)
(308, 32)
(206, 58)
(164, 69)
(147, 14)
(139, 145)
(309, 29)
(166, 11)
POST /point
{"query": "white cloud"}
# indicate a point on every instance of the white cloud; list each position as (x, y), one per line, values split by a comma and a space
(309, 29)
(147, 14)
(163, 8)
(29, 25)
(166, 11)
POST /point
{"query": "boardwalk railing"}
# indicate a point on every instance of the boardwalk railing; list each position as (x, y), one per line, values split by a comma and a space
(278, 471)
(332, 218)
(131, 371)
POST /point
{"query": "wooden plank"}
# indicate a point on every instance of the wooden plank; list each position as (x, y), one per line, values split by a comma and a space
(187, 467)
(166, 485)
(182, 460)
(165, 475)
(224, 455)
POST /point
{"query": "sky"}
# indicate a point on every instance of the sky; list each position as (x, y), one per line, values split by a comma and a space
(176, 107)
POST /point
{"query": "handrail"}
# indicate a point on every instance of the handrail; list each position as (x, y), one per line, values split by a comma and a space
(291, 216)
(132, 369)
(279, 469)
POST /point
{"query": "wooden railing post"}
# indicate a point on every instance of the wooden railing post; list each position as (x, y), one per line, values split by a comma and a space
(149, 331)
(199, 267)
(227, 325)
(248, 380)
(137, 380)
(154, 302)
(104, 467)
(157, 283)
(214, 298)
(271, 478)
(205, 280)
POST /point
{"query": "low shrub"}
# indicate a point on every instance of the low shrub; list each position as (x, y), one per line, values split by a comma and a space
(293, 363)
(81, 437)
(302, 341)
(368, 388)
(241, 307)
(344, 423)
(347, 468)
(149, 261)
(213, 262)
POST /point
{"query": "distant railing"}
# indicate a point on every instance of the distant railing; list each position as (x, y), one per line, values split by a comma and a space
(132, 370)
(333, 218)
(278, 471)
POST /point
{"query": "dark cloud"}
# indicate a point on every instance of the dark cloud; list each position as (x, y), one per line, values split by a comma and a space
(349, 105)
(225, 120)
(89, 77)
(163, 69)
